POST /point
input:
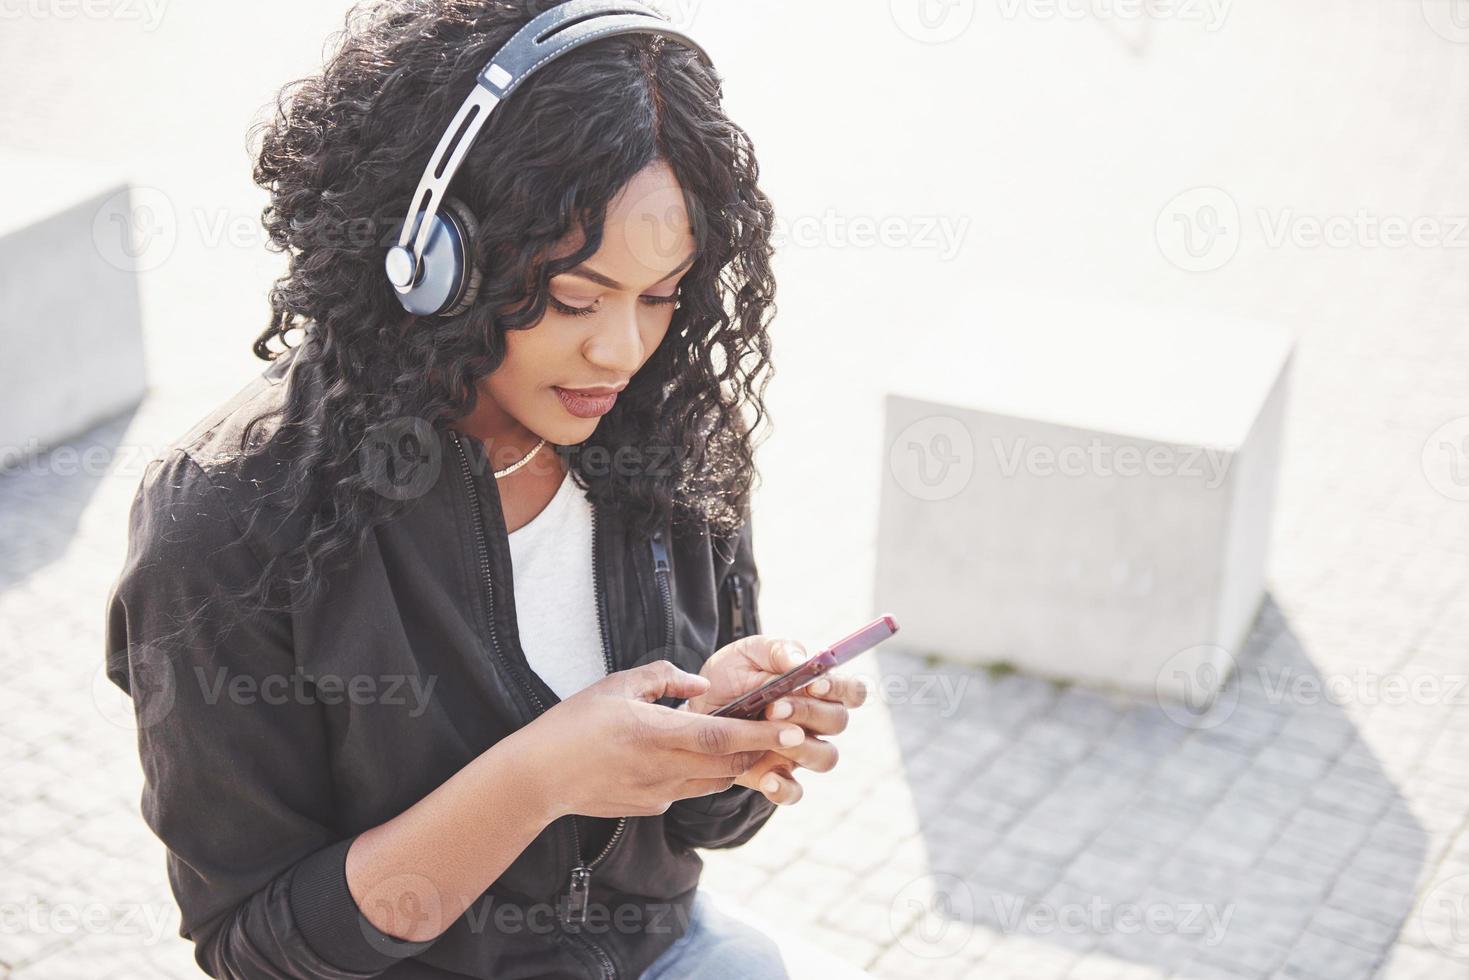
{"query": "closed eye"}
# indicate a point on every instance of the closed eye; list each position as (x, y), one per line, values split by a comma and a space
(563, 308)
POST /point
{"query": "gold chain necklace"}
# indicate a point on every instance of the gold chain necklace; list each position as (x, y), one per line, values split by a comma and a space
(523, 460)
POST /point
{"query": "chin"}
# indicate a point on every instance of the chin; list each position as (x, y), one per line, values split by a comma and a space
(578, 430)
(564, 431)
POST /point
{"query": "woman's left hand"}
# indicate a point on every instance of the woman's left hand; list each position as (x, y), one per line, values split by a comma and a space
(820, 708)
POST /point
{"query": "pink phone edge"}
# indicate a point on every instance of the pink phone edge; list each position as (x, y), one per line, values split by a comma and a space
(840, 656)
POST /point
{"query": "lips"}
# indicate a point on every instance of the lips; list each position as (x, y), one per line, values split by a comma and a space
(596, 392)
(587, 403)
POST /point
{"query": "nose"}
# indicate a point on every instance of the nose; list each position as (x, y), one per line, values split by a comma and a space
(617, 346)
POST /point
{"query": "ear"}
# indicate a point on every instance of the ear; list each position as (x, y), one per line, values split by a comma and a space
(473, 272)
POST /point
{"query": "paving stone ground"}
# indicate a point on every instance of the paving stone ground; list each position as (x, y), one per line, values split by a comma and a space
(1310, 826)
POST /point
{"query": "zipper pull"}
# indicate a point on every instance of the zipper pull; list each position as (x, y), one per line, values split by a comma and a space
(737, 606)
(581, 883)
(660, 554)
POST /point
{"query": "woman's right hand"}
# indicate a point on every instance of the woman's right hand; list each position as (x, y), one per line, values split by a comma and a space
(608, 751)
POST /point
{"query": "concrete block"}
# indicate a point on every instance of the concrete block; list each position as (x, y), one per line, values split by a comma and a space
(1082, 492)
(70, 318)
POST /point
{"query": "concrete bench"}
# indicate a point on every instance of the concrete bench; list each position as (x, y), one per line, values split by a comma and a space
(70, 322)
(1083, 493)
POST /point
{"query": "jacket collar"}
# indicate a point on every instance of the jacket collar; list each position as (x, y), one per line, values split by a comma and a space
(468, 470)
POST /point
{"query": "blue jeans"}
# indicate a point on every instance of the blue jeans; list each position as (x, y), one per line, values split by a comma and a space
(720, 946)
(717, 946)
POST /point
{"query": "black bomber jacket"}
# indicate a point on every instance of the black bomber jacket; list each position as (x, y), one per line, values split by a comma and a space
(267, 747)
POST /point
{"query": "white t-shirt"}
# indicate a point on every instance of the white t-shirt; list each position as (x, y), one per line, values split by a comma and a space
(555, 595)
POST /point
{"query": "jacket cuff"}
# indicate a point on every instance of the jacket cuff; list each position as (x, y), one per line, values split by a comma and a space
(332, 924)
(725, 803)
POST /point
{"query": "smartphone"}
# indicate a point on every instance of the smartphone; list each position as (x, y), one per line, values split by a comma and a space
(752, 705)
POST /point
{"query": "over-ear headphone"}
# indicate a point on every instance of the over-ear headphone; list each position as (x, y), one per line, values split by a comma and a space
(437, 275)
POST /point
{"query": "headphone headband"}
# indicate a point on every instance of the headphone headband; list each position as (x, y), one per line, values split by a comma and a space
(544, 38)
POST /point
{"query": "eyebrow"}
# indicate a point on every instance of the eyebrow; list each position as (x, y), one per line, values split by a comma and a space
(583, 272)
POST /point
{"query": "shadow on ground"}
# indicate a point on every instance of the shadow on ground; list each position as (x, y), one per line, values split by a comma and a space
(43, 498)
(1256, 836)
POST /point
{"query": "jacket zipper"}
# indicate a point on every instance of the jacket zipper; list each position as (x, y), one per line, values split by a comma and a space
(484, 564)
(580, 875)
(661, 570)
(737, 624)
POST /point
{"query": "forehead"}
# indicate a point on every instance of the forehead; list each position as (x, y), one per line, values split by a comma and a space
(647, 232)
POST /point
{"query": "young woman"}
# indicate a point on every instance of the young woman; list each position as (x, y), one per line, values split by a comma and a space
(424, 626)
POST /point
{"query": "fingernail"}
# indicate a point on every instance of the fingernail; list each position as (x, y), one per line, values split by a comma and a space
(792, 736)
(781, 709)
(820, 686)
(770, 784)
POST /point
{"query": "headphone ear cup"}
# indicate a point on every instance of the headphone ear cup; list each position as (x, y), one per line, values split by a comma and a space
(469, 226)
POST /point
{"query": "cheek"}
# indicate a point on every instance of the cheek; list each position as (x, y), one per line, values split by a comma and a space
(657, 329)
(531, 357)
(522, 374)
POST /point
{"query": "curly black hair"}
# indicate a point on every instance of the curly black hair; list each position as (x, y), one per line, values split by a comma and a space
(341, 156)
